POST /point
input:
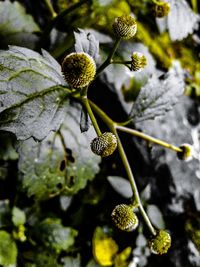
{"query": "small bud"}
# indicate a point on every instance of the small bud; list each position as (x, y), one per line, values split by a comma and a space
(186, 153)
(79, 69)
(160, 243)
(125, 27)
(138, 61)
(104, 145)
(162, 9)
(124, 217)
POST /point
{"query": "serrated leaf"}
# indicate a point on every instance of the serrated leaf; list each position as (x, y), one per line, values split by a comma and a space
(54, 235)
(86, 42)
(57, 161)
(18, 216)
(8, 250)
(155, 216)
(16, 27)
(159, 95)
(181, 20)
(121, 186)
(32, 103)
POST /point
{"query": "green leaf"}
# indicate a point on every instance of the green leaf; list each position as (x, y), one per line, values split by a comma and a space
(159, 95)
(54, 235)
(181, 20)
(61, 161)
(8, 250)
(16, 27)
(121, 186)
(86, 42)
(43, 258)
(156, 216)
(32, 103)
(71, 262)
(18, 216)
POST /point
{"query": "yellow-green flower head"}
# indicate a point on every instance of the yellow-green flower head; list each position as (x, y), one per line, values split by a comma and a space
(161, 243)
(161, 9)
(79, 69)
(125, 27)
(104, 145)
(124, 217)
(186, 153)
(138, 61)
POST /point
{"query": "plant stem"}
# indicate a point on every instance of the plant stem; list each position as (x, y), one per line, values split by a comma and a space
(50, 8)
(195, 5)
(86, 103)
(108, 61)
(112, 126)
(56, 19)
(149, 138)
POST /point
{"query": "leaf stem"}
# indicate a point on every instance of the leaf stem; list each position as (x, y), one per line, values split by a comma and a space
(86, 103)
(148, 138)
(50, 8)
(108, 61)
(113, 126)
(56, 19)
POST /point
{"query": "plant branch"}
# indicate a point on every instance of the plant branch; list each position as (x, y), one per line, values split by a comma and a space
(112, 126)
(56, 19)
(86, 103)
(50, 8)
(148, 138)
(108, 61)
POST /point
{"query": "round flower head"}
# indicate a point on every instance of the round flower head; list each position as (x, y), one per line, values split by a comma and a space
(79, 69)
(160, 243)
(138, 61)
(125, 27)
(162, 9)
(124, 217)
(104, 145)
(186, 153)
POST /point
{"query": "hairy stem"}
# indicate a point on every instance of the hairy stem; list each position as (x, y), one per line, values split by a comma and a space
(113, 126)
(108, 61)
(86, 104)
(148, 138)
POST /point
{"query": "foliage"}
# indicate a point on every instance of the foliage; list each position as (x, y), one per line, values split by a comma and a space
(56, 196)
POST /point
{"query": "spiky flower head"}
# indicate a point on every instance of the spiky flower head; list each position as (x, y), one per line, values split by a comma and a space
(138, 61)
(125, 27)
(124, 217)
(104, 145)
(186, 153)
(161, 9)
(160, 243)
(79, 69)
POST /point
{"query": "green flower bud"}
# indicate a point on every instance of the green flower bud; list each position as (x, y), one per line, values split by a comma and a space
(160, 243)
(186, 153)
(125, 27)
(162, 9)
(79, 69)
(124, 217)
(138, 61)
(104, 145)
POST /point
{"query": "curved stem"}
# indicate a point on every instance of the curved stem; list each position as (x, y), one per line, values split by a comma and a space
(86, 103)
(113, 126)
(149, 138)
(56, 19)
(108, 61)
